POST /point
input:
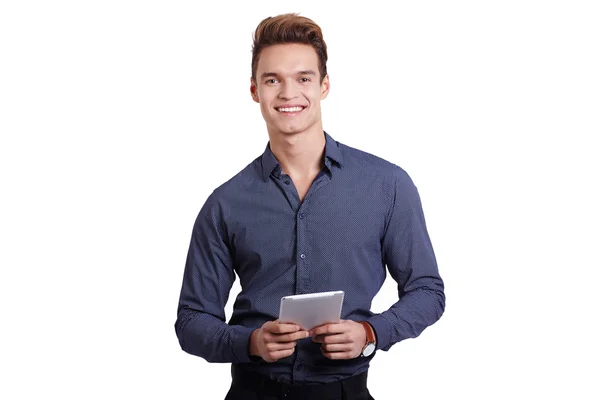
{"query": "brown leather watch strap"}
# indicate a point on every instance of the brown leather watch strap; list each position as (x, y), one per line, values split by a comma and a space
(369, 330)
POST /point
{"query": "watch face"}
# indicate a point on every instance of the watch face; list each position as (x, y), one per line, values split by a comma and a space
(369, 350)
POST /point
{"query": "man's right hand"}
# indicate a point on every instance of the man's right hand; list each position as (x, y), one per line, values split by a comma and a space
(273, 340)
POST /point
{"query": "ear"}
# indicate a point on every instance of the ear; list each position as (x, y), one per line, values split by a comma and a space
(325, 85)
(253, 90)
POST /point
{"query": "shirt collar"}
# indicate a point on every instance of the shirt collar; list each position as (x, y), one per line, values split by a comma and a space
(332, 153)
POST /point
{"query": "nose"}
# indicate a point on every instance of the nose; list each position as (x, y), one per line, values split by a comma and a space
(287, 91)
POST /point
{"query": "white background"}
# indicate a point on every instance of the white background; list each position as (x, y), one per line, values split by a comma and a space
(118, 118)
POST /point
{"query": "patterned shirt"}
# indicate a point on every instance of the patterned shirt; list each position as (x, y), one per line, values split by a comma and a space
(361, 218)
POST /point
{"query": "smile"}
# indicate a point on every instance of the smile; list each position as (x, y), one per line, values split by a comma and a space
(294, 109)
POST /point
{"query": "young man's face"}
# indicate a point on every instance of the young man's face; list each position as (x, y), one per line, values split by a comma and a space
(288, 88)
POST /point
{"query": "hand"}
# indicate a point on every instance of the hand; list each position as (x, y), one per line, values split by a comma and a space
(341, 341)
(273, 340)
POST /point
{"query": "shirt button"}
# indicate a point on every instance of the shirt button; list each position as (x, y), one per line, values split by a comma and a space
(303, 256)
(287, 182)
(301, 215)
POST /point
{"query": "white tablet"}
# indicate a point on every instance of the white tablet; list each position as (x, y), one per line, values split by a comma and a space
(311, 310)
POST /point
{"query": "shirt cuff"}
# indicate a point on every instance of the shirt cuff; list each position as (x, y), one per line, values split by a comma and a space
(241, 343)
(383, 331)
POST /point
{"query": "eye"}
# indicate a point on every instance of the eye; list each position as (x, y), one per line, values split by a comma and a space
(271, 81)
(304, 79)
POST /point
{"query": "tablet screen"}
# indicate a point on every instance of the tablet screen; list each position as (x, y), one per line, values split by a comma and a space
(311, 310)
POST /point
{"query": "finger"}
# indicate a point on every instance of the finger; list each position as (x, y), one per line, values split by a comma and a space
(336, 348)
(332, 338)
(338, 355)
(276, 327)
(287, 337)
(276, 346)
(335, 338)
(319, 338)
(329, 329)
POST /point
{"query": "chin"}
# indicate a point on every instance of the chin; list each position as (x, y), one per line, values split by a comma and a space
(289, 130)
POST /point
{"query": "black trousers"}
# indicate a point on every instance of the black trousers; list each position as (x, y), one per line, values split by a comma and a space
(248, 385)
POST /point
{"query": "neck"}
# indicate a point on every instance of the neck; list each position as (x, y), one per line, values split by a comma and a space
(300, 155)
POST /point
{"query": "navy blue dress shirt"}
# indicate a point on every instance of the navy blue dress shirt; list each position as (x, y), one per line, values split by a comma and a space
(360, 216)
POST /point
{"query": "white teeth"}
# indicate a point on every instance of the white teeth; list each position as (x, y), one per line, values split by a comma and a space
(289, 109)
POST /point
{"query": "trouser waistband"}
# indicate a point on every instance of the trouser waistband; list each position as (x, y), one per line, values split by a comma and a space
(268, 387)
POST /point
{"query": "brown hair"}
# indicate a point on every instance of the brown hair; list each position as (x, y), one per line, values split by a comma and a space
(289, 28)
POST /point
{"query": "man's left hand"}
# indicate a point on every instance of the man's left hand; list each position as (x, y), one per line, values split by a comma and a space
(340, 341)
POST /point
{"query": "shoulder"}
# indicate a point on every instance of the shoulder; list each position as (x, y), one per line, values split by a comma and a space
(225, 198)
(241, 182)
(360, 161)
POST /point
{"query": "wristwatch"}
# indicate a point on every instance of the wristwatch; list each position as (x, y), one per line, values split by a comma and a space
(371, 342)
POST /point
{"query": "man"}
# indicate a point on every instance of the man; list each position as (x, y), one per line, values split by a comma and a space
(309, 215)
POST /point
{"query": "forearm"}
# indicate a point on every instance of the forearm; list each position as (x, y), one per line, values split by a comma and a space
(409, 316)
(209, 337)
(408, 254)
(207, 281)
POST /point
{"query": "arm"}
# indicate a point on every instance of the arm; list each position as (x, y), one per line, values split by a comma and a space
(207, 280)
(409, 256)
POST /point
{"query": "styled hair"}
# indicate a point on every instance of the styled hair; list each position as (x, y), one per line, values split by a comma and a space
(289, 28)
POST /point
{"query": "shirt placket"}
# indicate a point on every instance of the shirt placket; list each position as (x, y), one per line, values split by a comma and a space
(303, 254)
(304, 261)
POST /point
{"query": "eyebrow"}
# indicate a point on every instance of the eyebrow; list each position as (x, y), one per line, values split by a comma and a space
(307, 72)
(273, 74)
